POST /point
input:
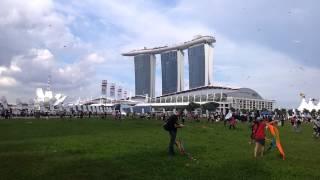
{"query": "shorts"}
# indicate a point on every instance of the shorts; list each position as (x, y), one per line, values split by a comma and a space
(261, 141)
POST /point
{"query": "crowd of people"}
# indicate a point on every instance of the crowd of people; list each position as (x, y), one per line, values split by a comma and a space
(173, 121)
(260, 125)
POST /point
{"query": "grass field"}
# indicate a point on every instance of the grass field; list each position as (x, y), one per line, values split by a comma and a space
(137, 149)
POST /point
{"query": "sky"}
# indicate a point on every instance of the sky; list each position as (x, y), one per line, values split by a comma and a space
(267, 45)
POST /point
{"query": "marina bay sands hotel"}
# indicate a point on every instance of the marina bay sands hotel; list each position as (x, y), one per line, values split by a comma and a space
(200, 59)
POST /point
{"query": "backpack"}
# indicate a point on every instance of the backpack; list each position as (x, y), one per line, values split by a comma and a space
(166, 126)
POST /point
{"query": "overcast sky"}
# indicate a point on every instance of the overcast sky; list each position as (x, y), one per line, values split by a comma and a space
(268, 45)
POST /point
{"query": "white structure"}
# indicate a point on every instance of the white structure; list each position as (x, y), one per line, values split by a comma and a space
(48, 99)
(185, 45)
(226, 97)
(308, 105)
(3, 102)
(303, 105)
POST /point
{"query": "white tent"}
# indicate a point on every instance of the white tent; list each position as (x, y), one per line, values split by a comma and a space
(303, 105)
(318, 106)
(48, 95)
(308, 105)
(311, 105)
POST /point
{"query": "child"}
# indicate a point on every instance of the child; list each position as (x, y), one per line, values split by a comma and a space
(259, 137)
(254, 126)
(232, 122)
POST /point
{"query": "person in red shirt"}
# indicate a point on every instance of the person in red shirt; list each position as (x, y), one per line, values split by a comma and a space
(259, 136)
(232, 123)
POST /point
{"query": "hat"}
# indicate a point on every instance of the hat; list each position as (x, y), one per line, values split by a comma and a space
(259, 118)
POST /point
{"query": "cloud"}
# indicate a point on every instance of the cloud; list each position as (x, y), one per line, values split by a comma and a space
(274, 74)
(79, 43)
(31, 70)
(7, 81)
(95, 58)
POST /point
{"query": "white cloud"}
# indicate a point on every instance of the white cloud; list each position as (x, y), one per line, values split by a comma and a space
(95, 58)
(39, 41)
(7, 81)
(3, 69)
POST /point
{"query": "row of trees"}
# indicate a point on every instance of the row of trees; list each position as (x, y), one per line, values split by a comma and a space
(313, 113)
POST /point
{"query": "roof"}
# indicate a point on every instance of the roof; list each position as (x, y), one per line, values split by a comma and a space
(200, 88)
(245, 93)
(308, 105)
(185, 45)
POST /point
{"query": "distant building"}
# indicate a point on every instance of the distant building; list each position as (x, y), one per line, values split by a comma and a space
(172, 72)
(200, 65)
(237, 98)
(145, 69)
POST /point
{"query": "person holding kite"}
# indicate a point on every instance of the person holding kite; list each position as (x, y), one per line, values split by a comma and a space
(171, 126)
(260, 137)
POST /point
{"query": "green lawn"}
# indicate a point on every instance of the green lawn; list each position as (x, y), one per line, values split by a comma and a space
(137, 149)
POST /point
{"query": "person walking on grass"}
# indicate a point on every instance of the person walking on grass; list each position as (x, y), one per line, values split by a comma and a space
(298, 125)
(254, 127)
(232, 122)
(259, 137)
(171, 126)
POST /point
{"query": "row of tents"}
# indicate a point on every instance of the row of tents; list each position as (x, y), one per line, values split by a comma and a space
(310, 105)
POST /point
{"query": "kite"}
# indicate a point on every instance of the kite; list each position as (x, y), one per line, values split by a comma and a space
(182, 150)
(275, 133)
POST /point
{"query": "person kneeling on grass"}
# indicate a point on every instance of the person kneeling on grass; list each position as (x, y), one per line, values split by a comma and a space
(171, 126)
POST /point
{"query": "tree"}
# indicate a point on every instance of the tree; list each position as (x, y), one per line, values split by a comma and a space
(192, 106)
(232, 109)
(283, 112)
(306, 111)
(313, 113)
(210, 106)
(277, 111)
(244, 111)
(290, 112)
